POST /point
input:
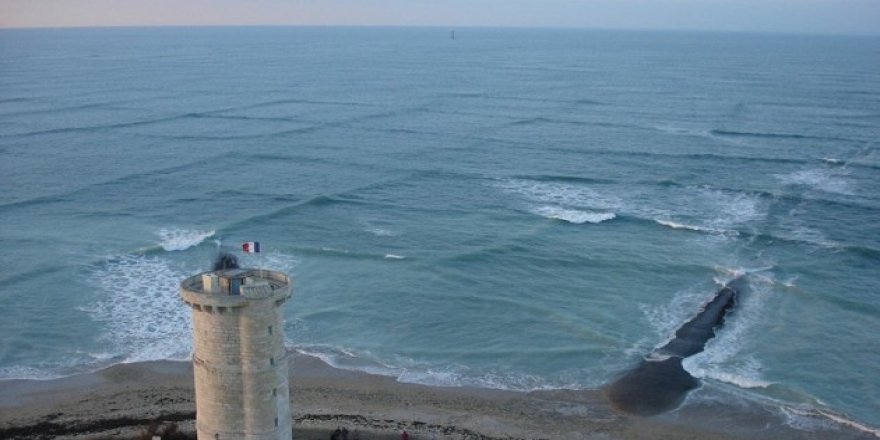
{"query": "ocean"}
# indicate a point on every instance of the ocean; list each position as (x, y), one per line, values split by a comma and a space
(515, 208)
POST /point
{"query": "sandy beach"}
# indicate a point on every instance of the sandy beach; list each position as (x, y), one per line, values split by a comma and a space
(121, 401)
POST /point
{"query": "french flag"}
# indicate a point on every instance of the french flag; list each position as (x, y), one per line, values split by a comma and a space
(251, 247)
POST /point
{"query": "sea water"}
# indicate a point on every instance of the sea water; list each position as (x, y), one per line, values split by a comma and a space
(518, 209)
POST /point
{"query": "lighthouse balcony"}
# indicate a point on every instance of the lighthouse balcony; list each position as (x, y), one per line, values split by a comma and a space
(233, 288)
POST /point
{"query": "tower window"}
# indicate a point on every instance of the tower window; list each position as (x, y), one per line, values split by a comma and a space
(270, 329)
(276, 422)
(274, 392)
(272, 361)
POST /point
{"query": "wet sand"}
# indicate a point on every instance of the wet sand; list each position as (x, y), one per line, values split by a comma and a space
(120, 401)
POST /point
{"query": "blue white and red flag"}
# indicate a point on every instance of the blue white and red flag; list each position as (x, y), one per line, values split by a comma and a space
(251, 247)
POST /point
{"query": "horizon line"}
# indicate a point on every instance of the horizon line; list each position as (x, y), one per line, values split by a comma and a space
(449, 27)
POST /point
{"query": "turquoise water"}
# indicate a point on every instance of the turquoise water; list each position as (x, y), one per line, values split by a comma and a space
(520, 209)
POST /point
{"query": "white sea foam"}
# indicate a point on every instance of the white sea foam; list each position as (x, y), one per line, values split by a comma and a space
(806, 234)
(804, 419)
(843, 420)
(743, 381)
(578, 196)
(20, 372)
(141, 310)
(789, 282)
(832, 161)
(459, 375)
(822, 179)
(808, 418)
(348, 359)
(407, 370)
(394, 257)
(717, 213)
(674, 225)
(656, 357)
(728, 209)
(381, 232)
(431, 378)
(270, 260)
(665, 319)
(728, 274)
(702, 209)
(574, 216)
(181, 239)
(722, 359)
(793, 227)
(639, 347)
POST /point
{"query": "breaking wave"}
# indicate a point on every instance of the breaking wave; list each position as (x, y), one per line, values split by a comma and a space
(407, 370)
(574, 216)
(707, 209)
(674, 225)
(181, 239)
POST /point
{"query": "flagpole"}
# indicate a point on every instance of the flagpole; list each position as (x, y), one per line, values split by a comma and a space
(253, 247)
(262, 265)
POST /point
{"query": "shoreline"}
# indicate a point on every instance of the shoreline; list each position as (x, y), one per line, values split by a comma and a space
(119, 401)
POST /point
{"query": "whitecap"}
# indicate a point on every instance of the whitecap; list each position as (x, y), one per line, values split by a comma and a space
(573, 215)
(181, 239)
(675, 225)
(394, 257)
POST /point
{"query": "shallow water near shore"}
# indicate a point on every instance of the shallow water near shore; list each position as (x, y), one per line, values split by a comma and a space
(514, 209)
(125, 397)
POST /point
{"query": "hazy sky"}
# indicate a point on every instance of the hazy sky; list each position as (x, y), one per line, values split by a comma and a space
(811, 16)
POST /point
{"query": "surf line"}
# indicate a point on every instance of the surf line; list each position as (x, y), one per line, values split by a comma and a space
(660, 383)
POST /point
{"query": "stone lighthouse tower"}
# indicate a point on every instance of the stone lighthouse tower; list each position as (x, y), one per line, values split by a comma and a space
(239, 360)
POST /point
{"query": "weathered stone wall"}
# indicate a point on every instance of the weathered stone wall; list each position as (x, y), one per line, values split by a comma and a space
(240, 368)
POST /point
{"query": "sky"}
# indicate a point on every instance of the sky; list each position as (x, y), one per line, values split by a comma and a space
(790, 16)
